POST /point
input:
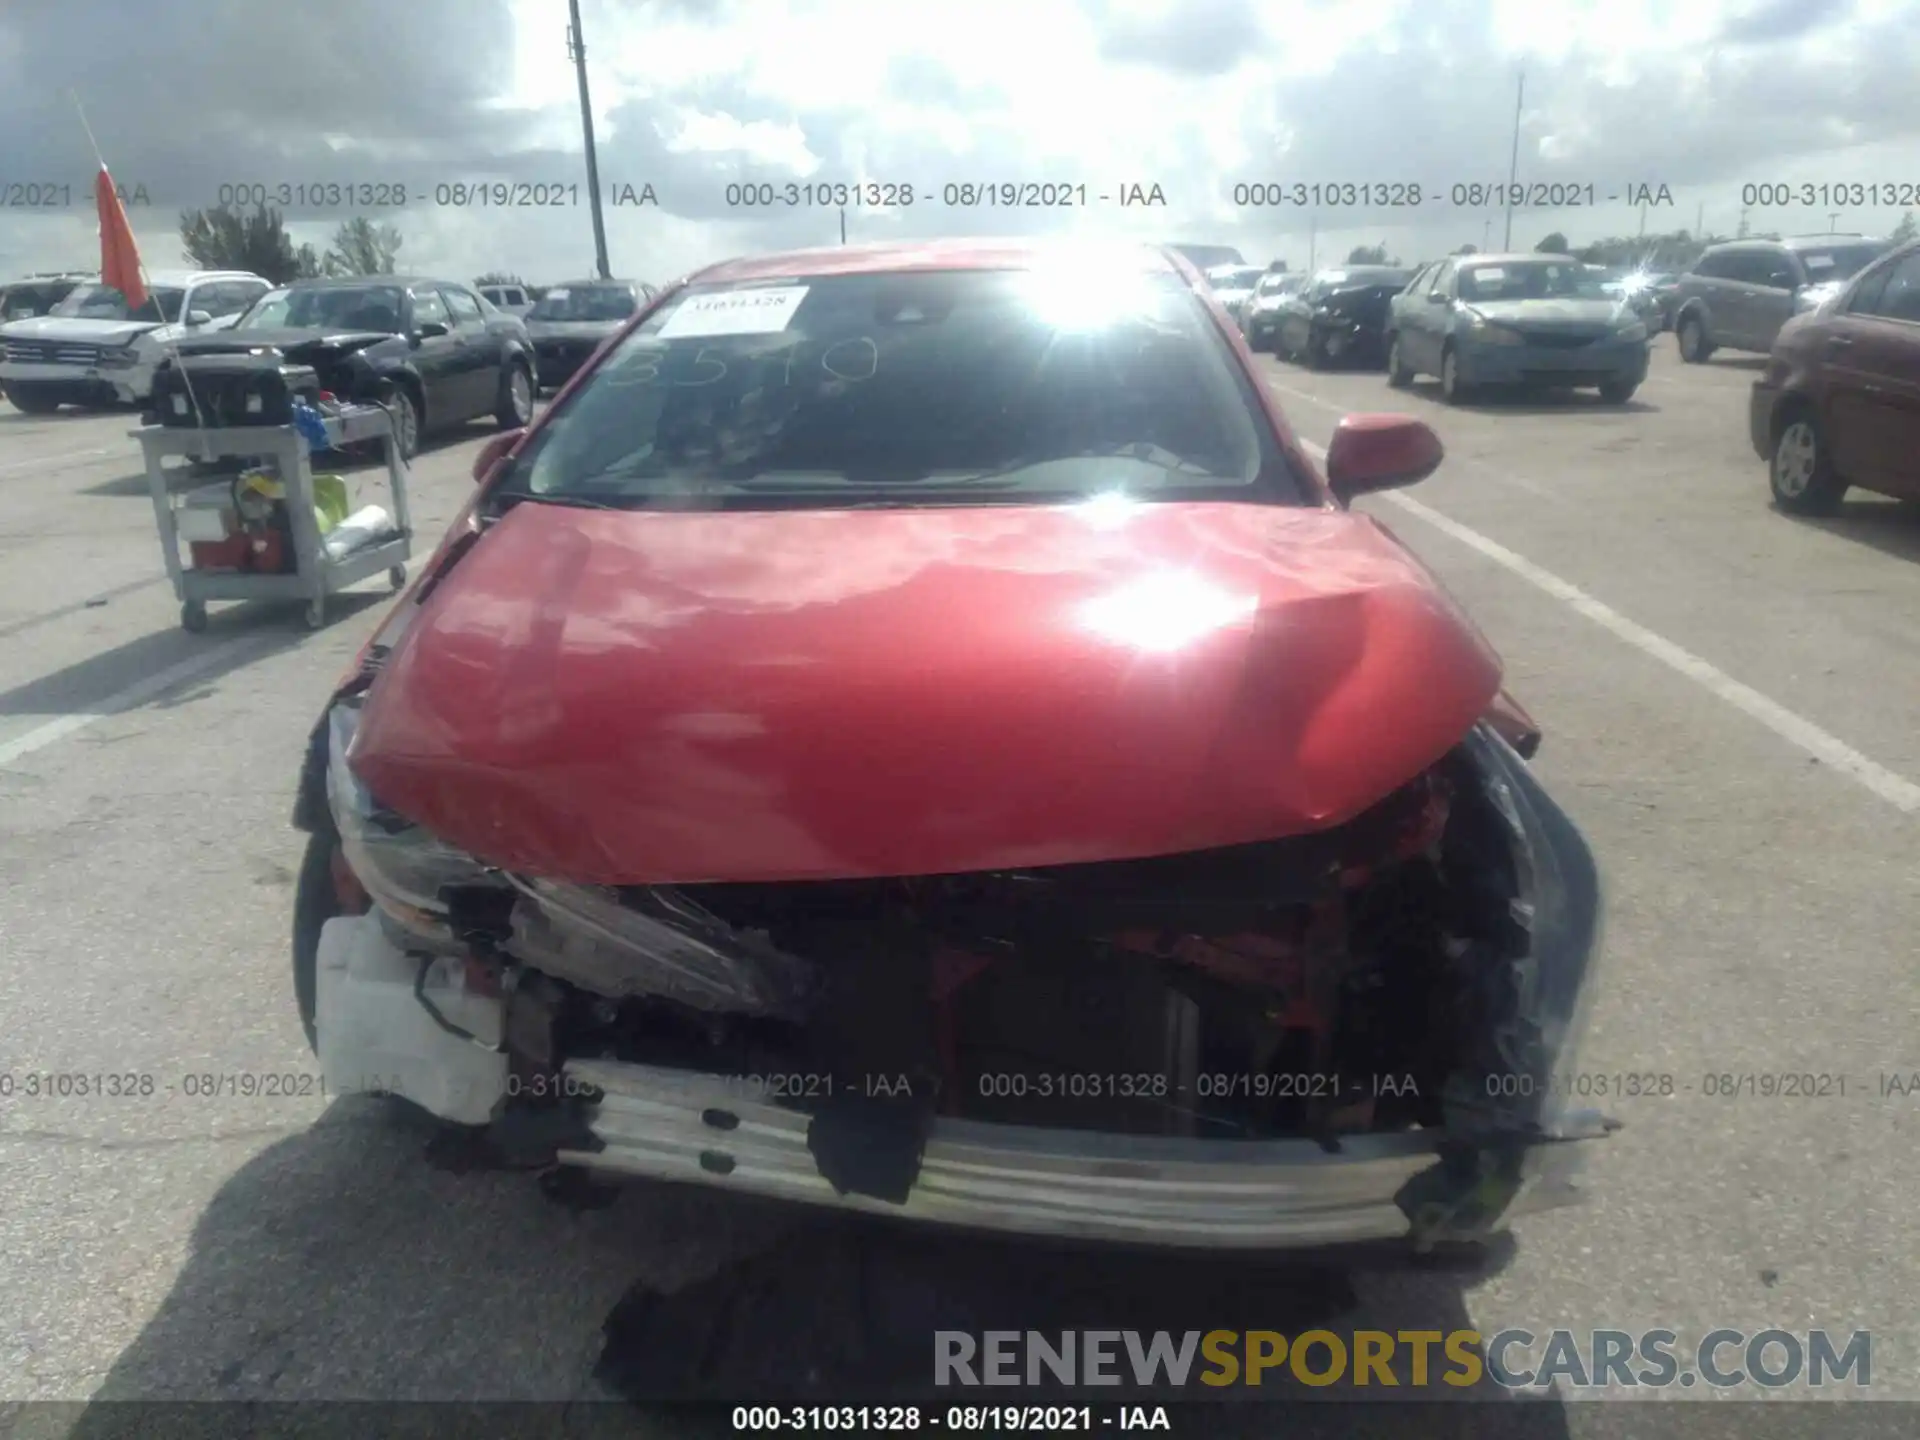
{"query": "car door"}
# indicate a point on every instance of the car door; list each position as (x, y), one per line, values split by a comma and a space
(1871, 364)
(1769, 300)
(479, 352)
(1426, 317)
(437, 358)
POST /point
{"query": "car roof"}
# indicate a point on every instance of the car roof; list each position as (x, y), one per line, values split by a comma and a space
(893, 256)
(588, 283)
(179, 279)
(1795, 242)
(369, 282)
(1514, 257)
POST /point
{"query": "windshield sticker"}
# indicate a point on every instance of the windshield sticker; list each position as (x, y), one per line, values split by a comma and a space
(1817, 262)
(557, 294)
(734, 312)
(1487, 273)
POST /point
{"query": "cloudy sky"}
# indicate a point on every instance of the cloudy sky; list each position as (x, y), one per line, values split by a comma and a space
(1704, 97)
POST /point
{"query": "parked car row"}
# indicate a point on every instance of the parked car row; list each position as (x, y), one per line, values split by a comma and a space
(438, 351)
(1838, 316)
(1472, 321)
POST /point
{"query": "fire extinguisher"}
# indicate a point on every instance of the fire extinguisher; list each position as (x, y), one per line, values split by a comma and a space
(260, 502)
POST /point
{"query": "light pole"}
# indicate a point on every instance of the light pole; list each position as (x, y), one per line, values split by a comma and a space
(843, 224)
(1833, 221)
(577, 48)
(1513, 165)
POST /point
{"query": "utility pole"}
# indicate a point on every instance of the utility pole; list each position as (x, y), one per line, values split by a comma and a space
(1643, 221)
(1513, 165)
(1313, 231)
(577, 50)
(1700, 221)
(1833, 221)
(843, 224)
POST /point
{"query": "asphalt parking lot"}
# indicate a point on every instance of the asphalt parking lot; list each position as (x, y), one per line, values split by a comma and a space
(1728, 697)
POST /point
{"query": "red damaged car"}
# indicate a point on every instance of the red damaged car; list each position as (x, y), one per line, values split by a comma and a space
(910, 730)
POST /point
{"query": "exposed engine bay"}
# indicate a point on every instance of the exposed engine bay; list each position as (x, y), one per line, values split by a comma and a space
(1310, 987)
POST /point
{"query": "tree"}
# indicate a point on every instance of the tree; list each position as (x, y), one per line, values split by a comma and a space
(224, 239)
(1468, 250)
(1367, 255)
(361, 247)
(1554, 244)
(1905, 230)
(497, 277)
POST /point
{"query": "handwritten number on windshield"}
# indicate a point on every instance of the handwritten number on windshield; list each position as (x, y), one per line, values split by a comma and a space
(859, 359)
(851, 360)
(708, 360)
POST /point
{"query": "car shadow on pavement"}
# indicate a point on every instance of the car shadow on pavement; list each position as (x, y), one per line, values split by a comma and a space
(1533, 402)
(84, 686)
(343, 1264)
(1889, 526)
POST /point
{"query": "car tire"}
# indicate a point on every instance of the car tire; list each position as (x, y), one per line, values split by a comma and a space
(1618, 392)
(31, 400)
(1451, 389)
(405, 411)
(514, 409)
(1800, 470)
(1317, 356)
(1691, 336)
(1398, 375)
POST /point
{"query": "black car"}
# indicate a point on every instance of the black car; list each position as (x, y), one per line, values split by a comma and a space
(430, 350)
(573, 320)
(1341, 316)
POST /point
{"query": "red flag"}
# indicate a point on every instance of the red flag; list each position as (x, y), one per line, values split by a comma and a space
(119, 256)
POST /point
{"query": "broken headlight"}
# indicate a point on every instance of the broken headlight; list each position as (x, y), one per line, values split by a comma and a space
(404, 868)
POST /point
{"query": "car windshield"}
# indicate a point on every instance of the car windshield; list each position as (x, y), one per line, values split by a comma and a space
(1531, 280)
(103, 302)
(1234, 277)
(1839, 262)
(914, 387)
(322, 307)
(586, 302)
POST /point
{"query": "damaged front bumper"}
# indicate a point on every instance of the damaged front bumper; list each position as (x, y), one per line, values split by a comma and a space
(1500, 1150)
(677, 1125)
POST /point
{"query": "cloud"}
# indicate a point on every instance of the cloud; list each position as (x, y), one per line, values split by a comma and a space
(715, 103)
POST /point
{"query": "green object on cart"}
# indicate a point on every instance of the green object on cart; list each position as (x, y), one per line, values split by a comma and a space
(331, 503)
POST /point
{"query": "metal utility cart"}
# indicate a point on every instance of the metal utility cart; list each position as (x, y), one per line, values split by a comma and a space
(316, 574)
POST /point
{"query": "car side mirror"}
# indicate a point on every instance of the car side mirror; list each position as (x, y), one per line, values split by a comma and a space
(199, 317)
(1380, 452)
(429, 329)
(1782, 280)
(1433, 299)
(494, 451)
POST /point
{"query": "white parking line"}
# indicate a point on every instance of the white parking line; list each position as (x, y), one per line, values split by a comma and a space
(1895, 789)
(137, 693)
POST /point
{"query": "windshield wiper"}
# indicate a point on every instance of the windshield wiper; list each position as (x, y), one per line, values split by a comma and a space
(576, 502)
(1144, 452)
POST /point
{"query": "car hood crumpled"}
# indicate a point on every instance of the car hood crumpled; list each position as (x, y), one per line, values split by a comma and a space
(652, 698)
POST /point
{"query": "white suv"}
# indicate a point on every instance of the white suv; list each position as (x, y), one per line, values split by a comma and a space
(95, 349)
